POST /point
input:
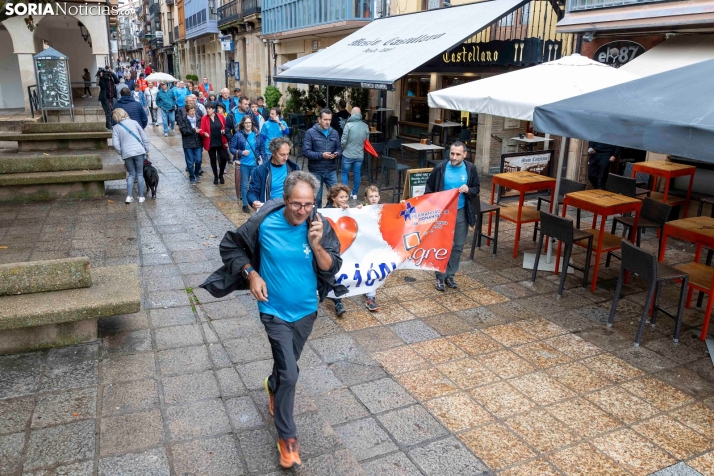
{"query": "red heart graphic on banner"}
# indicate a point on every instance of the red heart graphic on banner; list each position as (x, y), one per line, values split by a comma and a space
(346, 230)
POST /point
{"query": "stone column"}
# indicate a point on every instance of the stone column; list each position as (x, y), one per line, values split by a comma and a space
(27, 75)
(483, 143)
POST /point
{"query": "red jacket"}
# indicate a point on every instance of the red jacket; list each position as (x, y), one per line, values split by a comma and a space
(201, 88)
(206, 127)
(148, 70)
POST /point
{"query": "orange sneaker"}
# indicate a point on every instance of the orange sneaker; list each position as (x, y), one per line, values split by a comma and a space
(271, 397)
(289, 456)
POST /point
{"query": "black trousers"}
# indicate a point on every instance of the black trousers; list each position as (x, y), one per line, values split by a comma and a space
(598, 170)
(221, 154)
(108, 109)
(287, 340)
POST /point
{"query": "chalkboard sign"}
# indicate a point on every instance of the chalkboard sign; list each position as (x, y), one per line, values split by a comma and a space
(415, 182)
(53, 83)
(537, 162)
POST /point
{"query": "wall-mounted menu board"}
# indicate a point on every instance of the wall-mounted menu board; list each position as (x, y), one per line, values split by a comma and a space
(53, 82)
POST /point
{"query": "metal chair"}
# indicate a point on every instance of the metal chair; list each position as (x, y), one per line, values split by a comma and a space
(445, 154)
(436, 132)
(379, 148)
(393, 144)
(562, 230)
(642, 179)
(645, 266)
(566, 186)
(483, 208)
(702, 201)
(388, 164)
(622, 185)
(653, 215)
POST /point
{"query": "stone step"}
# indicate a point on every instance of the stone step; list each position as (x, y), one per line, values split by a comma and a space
(73, 184)
(56, 128)
(37, 321)
(42, 276)
(49, 163)
(59, 141)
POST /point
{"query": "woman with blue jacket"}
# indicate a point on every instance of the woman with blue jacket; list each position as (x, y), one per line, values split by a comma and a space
(248, 146)
(274, 127)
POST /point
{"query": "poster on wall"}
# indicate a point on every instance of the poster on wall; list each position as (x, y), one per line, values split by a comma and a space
(537, 162)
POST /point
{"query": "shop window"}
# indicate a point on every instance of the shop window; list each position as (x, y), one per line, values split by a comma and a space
(466, 118)
(414, 99)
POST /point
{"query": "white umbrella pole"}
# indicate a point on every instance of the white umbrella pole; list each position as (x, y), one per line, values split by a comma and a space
(558, 176)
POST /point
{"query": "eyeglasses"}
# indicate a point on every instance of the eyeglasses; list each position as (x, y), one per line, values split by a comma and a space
(297, 206)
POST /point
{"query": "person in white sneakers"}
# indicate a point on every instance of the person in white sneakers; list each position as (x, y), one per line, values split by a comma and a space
(130, 142)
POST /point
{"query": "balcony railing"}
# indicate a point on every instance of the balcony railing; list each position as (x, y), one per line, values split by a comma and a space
(251, 7)
(229, 13)
(580, 5)
(278, 16)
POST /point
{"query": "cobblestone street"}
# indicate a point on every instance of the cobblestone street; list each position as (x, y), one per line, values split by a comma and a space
(497, 377)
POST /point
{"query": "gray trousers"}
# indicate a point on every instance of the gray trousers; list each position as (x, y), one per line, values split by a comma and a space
(286, 341)
(462, 229)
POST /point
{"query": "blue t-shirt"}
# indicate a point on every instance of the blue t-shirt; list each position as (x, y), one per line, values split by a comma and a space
(326, 132)
(277, 179)
(180, 96)
(454, 177)
(250, 147)
(226, 103)
(237, 116)
(286, 267)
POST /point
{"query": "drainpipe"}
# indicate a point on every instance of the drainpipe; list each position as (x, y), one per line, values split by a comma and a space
(267, 46)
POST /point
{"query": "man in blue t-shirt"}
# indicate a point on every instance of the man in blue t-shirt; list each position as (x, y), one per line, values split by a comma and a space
(265, 182)
(180, 92)
(448, 175)
(287, 261)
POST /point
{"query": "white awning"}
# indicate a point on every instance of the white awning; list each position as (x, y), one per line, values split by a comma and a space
(518, 93)
(676, 52)
(380, 53)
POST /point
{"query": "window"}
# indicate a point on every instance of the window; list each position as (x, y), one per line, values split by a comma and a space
(469, 119)
(414, 99)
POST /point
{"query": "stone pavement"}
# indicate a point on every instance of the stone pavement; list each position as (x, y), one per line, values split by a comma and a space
(497, 377)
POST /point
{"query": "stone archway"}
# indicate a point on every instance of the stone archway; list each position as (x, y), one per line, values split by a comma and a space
(11, 93)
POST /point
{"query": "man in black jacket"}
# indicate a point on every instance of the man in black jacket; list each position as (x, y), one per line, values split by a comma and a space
(133, 108)
(286, 261)
(107, 88)
(448, 175)
(601, 155)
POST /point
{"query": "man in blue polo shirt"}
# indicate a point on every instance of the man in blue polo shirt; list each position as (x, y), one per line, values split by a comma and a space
(180, 92)
(448, 175)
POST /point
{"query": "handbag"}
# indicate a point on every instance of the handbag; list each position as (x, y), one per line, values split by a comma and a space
(133, 135)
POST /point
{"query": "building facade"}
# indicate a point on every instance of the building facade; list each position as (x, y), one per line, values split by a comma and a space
(83, 38)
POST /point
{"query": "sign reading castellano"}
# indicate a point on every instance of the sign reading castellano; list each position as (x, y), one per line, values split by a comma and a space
(499, 52)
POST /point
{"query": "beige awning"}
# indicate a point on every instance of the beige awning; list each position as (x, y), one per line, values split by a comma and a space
(675, 52)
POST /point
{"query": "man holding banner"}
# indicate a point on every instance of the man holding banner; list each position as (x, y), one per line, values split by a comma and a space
(456, 173)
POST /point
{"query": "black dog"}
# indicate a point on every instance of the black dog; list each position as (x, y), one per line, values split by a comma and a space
(151, 177)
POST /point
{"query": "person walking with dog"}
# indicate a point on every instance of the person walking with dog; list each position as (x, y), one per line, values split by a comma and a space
(213, 130)
(288, 258)
(130, 142)
(247, 146)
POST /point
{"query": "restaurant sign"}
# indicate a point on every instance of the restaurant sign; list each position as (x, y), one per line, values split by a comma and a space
(617, 53)
(499, 52)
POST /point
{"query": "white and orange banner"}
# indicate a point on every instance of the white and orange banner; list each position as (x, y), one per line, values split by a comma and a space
(379, 239)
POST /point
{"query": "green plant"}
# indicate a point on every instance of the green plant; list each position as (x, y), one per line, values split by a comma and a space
(272, 96)
(296, 100)
(359, 97)
(314, 93)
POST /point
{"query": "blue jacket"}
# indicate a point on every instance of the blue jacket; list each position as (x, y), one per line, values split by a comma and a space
(315, 144)
(165, 100)
(142, 98)
(259, 188)
(271, 130)
(133, 109)
(239, 143)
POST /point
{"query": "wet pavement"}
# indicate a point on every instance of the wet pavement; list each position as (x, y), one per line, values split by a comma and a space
(495, 377)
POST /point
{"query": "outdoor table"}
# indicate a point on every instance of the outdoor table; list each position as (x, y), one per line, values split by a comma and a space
(445, 125)
(667, 171)
(602, 203)
(531, 142)
(422, 149)
(700, 231)
(522, 182)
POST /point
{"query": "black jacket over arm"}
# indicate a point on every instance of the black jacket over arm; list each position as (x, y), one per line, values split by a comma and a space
(435, 183)
(242, 246)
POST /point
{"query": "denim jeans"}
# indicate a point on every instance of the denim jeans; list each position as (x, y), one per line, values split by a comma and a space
(169, 118)
(193, 161)
(327, 178)
(135, 167)
(245, 172)
(356, 166)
